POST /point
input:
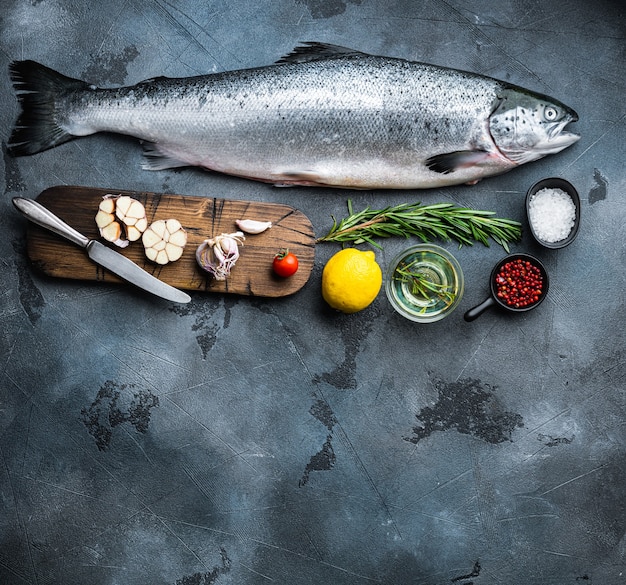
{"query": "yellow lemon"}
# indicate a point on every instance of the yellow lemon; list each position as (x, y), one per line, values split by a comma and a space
(351, 280)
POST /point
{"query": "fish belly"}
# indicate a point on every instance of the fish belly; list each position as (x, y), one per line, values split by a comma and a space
(357, 122)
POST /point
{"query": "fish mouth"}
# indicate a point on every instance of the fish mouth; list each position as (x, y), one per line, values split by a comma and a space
(557, 138)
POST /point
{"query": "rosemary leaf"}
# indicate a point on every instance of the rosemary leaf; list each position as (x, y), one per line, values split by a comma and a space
(443, 221)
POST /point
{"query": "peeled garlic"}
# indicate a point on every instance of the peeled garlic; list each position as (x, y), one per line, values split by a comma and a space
(252, 226)
(130, 212)
(218, 255)
(164, 241)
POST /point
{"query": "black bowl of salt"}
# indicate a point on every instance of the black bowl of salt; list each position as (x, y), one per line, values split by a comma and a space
(553, 210)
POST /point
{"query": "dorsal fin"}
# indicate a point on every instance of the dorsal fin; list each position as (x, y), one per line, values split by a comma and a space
(153, 79)
(312, 51)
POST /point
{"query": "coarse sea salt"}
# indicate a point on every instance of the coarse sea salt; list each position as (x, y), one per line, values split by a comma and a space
(552, 214)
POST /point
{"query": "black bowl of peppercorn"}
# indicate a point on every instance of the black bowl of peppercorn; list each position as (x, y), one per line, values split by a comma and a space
(518, 283)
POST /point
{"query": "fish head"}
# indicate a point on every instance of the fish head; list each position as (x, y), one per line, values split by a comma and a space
(527, 126)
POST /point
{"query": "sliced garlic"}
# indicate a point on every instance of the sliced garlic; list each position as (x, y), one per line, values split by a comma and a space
(130, 212)
(252, 226)
(112, 233)
(164, 241)
(109, 228)
(133, 232)
(133, 215)
(107, 204)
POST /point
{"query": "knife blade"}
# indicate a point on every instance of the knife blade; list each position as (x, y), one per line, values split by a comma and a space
(99, 253)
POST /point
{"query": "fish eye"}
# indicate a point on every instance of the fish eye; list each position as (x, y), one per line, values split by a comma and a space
(550, 114)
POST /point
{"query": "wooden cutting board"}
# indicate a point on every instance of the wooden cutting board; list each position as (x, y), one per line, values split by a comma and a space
(202, 218)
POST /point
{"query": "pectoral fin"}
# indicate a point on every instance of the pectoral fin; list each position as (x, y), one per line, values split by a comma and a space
(451, 161)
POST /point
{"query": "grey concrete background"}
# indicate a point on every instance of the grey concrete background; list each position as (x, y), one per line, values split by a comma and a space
(241, 440)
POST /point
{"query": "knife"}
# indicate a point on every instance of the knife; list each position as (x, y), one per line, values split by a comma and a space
(99, 253)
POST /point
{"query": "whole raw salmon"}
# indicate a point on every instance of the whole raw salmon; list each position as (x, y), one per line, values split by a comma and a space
(323, 115)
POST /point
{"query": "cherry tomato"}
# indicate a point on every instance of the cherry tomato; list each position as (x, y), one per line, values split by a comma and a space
(285, 263)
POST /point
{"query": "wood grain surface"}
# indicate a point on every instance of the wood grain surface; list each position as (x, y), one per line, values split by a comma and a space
(202, 218)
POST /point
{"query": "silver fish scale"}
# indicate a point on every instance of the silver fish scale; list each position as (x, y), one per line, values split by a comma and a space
(351, 119)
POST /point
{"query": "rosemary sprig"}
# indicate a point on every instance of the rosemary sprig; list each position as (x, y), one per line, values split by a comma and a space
(423, 286)
(443, 221)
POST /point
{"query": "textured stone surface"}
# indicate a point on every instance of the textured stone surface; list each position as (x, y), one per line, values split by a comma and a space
(241, 440)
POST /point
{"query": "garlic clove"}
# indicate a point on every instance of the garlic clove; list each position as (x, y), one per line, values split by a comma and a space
(158, 228)
(179, 238)
(107, 205)
(150, 238)
(104, 218)
(173, 251)
(172, 225)
(229, 246)
(122, 205)
(151, 254)
(218, 252)
(111, 231)
(142, 224)
(132, 233)
(252, 226)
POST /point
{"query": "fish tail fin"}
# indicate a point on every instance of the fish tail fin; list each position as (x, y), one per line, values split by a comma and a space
(38, 88)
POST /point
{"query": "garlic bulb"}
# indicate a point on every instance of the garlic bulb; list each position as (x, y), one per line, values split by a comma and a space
(218, 255)
(164, 241)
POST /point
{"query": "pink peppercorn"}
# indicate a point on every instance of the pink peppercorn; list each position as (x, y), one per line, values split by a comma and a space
(519, 283)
